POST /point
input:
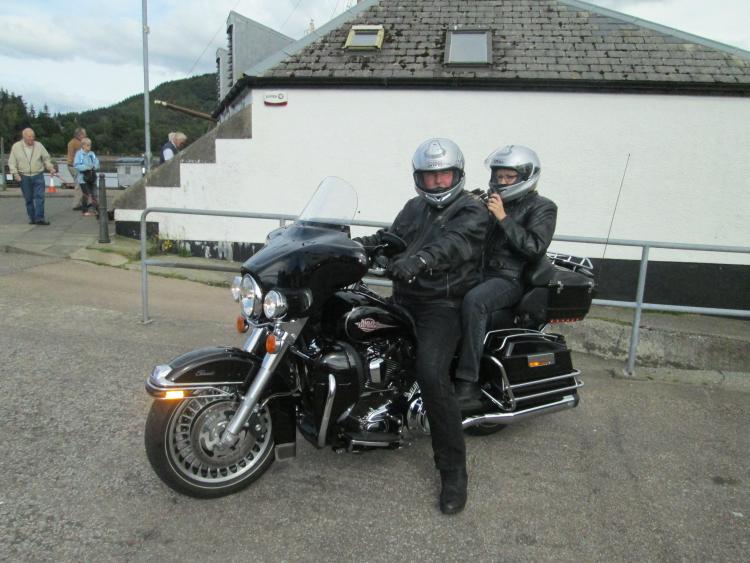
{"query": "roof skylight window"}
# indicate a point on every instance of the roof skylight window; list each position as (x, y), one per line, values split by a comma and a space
(469, 47)
(363, 37)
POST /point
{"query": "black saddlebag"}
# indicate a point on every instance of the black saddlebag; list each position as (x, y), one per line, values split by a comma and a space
(529, 367)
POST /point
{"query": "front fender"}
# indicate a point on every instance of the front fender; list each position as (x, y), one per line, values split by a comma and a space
(208, 368)
(201, 369)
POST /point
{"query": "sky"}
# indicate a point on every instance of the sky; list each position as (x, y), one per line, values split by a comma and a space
(86, 54)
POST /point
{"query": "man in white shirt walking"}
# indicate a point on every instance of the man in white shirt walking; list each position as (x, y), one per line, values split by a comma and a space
(27, 161)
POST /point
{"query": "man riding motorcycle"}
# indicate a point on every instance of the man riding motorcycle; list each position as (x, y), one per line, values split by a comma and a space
(520, 232)
(443, 228)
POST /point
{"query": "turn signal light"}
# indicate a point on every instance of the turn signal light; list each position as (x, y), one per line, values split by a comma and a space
(177, 394)
(241, 324)
(272, 344)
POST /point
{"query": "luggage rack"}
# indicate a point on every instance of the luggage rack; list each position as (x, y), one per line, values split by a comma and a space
(574, 263)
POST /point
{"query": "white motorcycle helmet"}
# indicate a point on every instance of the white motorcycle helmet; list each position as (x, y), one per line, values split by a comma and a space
(521, 159)
(434, 155)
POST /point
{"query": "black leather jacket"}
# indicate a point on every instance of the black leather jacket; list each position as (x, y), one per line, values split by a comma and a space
(521, 238)
(449, 240)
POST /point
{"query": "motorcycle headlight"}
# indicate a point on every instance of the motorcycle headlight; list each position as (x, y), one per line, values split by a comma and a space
(275, 305)
(236, 285)
(252, 297)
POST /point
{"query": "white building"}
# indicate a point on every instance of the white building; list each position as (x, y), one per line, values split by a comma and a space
(626, 115)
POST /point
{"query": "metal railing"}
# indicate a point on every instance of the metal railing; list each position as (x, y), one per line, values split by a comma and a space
(638, 304)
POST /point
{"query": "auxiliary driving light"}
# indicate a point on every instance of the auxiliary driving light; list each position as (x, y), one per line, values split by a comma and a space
(275, 305)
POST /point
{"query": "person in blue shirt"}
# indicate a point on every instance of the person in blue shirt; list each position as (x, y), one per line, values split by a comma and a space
(87, 164)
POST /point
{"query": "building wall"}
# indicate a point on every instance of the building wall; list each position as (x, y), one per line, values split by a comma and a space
(687, 177)
(222, 71)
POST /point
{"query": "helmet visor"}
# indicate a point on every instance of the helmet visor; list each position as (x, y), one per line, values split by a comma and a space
(511, 192)
(502, 178)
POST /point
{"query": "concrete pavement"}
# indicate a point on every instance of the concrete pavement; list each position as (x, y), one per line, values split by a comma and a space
(68, 230)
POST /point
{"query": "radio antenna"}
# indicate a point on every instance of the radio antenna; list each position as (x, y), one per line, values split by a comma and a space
(614, 212)
(612, 221)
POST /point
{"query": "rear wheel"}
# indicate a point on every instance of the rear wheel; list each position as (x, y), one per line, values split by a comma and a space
(183, 445)
(485, 429)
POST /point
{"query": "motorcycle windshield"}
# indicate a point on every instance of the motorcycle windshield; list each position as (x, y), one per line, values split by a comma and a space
(333, 203)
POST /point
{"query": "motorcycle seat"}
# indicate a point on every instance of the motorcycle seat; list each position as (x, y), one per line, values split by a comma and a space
(530, 311)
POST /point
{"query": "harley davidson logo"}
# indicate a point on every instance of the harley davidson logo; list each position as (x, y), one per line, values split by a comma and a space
(369, 324)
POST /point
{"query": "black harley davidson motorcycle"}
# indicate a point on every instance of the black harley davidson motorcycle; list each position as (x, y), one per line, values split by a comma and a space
(330, 358)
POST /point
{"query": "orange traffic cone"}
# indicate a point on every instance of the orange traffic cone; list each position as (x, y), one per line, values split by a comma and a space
(51, 189)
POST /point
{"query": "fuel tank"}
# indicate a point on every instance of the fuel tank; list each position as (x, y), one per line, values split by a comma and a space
(363, 324)
(362, 318)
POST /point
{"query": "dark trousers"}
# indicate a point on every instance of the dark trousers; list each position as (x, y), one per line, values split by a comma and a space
(32, 188)
(438, 330)
(488, 297)
(89, 196)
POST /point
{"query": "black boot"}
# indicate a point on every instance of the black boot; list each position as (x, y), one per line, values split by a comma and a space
(468, 395)
(453, 491)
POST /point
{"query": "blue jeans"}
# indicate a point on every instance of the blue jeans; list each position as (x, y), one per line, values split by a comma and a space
(33, 192)
(490, 296)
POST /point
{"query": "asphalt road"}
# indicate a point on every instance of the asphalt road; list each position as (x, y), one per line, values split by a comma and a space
(641, 471)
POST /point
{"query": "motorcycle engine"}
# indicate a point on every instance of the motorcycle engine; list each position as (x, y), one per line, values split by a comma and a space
(386, 362)
(381, 410)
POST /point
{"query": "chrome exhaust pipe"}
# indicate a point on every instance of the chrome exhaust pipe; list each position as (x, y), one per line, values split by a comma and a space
(567, 402)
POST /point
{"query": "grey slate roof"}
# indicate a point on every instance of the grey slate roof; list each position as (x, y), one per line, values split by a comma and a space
(534, 41)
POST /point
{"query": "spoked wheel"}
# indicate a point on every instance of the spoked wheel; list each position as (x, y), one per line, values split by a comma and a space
(183, 445)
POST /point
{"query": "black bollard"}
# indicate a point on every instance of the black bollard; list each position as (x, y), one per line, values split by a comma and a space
(103, 217)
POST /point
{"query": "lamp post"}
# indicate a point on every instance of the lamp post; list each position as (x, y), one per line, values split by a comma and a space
(146, 115)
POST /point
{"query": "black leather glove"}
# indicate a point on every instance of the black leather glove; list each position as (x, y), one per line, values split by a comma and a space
(371, 243)
(407, 268)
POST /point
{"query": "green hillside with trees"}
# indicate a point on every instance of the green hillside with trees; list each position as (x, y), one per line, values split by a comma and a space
(116, 129)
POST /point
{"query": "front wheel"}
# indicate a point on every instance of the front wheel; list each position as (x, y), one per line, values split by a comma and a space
(182, 444)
